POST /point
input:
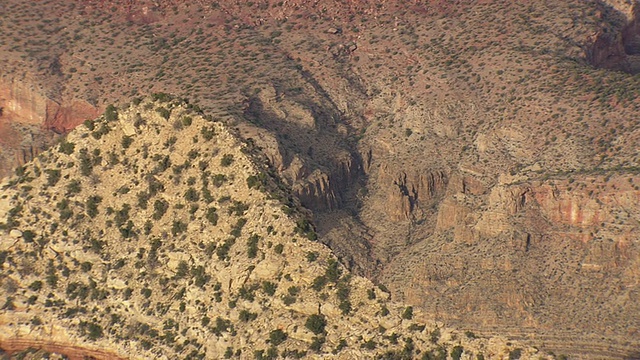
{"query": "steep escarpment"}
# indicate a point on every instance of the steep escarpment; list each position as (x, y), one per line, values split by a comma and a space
(31, 120)
(538, 239)
(617, 45)
(307, 141)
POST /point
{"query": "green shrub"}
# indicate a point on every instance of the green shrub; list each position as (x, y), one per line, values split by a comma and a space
(122, 215)
(316, 323)
(277, 337)
(20, 171)
(408, 313)
(65, 211)
(164, 112)
(343, 291)
(74, 187)
(319, 283)
(178, 227)
(35, 286)
(66, 147)
(369, 344)
(200, 276)
(439, 354)
(345, 307)
(53, 176)
(279, 248)
(239, 208)
(223, 250)
(222, 325)
(161, 97)
(102, 131)
(288, 300)
(143, 199)
(218, 180)
(160, 207)
(111, 113)
(126, 141)
(207, 133)
(371, 294)
(333, 271)
(269, 288)
(515, 354)
(90, 329)
(435, 335)
(236, 231)
(191, 195)
(89, 124)
(146, 292)
(316, 344)
(86, 266)
(212, 216)
(312, 256)
(86, 165)
(252, 181)
(28, 236)
(92, 205)
(247, 316)
(456, 352)
(252, 246)
(226, 160)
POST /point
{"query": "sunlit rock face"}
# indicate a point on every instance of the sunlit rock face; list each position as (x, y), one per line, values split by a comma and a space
(30, 120)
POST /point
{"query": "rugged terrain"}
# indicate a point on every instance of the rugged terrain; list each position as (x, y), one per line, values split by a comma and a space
(479, 158)
(154, 232)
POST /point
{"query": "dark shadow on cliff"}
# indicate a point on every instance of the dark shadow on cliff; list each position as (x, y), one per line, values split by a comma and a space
(321, 164)
(617, 45)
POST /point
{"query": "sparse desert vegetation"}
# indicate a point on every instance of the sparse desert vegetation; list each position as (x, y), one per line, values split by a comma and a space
(476, 159)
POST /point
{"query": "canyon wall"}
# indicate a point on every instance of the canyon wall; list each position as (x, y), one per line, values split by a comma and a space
(618, 48)
(30, 121)
(22, 102)
(537, 239)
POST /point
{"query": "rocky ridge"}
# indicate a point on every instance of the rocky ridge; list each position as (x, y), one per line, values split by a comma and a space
(155, 232)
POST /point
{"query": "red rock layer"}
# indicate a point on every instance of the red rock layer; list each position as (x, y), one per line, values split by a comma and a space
(12, 346)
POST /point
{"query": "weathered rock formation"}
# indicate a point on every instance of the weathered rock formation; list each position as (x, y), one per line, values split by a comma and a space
(30, 120)
(407, 193)
(618, 48)
(550, 235)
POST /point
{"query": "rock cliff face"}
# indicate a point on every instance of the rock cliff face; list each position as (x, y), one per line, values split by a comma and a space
(618, 48)
(30, 120)
(408, 193)
(22, 102)
(322, 175)
(568, 231)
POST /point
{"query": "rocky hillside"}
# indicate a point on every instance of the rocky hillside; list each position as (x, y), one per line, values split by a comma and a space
(478, 158)
(155, 232)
